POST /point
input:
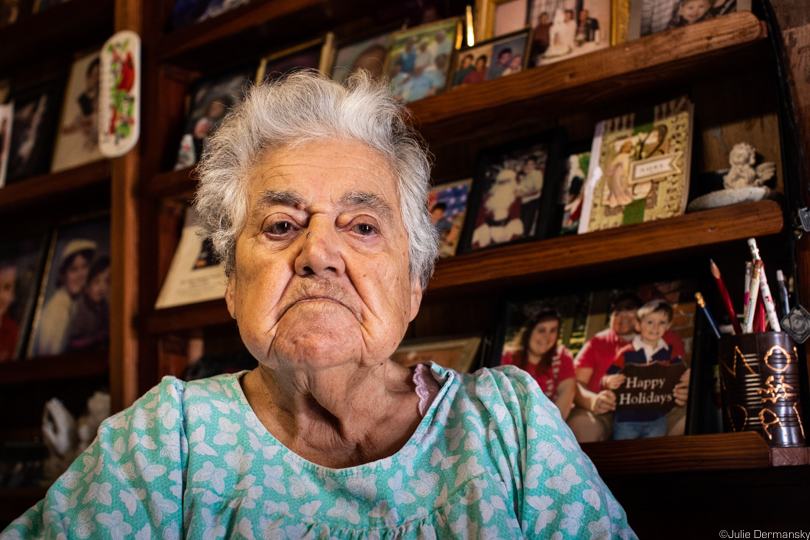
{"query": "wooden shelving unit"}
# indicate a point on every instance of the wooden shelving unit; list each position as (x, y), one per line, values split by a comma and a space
(67, 366)
(33, 192)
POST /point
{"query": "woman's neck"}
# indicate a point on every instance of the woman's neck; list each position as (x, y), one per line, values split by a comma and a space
(332, 416)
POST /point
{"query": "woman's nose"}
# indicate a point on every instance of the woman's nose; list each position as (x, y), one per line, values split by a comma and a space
(321, 252)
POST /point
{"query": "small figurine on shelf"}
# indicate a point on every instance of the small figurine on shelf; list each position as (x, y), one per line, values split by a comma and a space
(743, 182)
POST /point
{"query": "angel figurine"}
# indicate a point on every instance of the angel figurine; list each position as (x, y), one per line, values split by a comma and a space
(742, 173)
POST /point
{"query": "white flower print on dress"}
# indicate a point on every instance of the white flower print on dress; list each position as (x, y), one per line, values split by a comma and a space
(468, 469)
(98, 492)
(225, 407)
(273, 507)
(213, 527)
(213, 474)
(63, 503)
(158, 505)
(200, 447)
(148, 472)
(600, 530)
(145, 441)
(116, 450)
(438, 458)
(71, 479)
(309, 510)
(301, 486)
(426, 483)
(195, 390)
(145, 533)
(92, 466)
(465, 528)
(363, 486)
(143, 420)
(272, 478)
(571, 521)
(170, 447)
(199, 411)
(545, 515)
(401, 496)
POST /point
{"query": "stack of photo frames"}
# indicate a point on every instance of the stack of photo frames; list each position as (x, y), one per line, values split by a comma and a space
(54, 290)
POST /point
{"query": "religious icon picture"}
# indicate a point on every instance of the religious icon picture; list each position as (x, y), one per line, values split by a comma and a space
(448, 207)
(512, 193)
(21, 262)
(368, 54)
(457, 354)
(490, 60)
(73, 310)
(210, 100)
(77, 136)
(418, 61)
(566, 29)
(639, 167)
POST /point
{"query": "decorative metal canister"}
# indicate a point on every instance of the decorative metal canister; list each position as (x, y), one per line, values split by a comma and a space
(759, 379)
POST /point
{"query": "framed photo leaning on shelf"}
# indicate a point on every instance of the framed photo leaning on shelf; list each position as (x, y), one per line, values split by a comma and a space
(418, 61)
(448, 208)
(315, 54)
(492, 59)
(21, 262)
(454, 353)
(368, 53)
(77, 135)
(513, 192)
(566, 29)
(496, 18)
(572, 187)
(652, 16)
(73, 307)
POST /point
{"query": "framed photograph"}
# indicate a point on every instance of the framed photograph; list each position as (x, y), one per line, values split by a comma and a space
(500, 17)
(448, 208)
(419, 59)
(77, 136)
(513, 192)
(187, 12)
(73, 311)
(639, 167)
(210, 99)
(568, 28)
(6, 123)
(490, 60)
(368, 54)
(36, 113)
(572, 187)
(194, 273)
(315, 54)
(21, 262)
(652, 16)
(456, 354)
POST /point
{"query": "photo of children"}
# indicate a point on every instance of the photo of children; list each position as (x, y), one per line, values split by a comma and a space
(660, 15)
(419, 60)
(368, 54)
(77, 136)
(490, 60)
(73, 312)
(35, 116)
(613, 335)
(567, 28)
(448, 207)
(541, 337)
(21, 261)
(653, 320)
(512, 186)
(210, 100)
(571, 193)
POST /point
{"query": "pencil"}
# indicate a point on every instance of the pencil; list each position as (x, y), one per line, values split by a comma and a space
(702, 304)
(749, 269)
(721, 287)
(767, 299)
(753, 294)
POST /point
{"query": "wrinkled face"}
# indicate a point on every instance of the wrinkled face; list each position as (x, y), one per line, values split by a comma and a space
(99, 286)
(653, 326)
(544, 336)
(321, 275)
(76, 274)
(693, 10)
(7, 277)
(623, 319)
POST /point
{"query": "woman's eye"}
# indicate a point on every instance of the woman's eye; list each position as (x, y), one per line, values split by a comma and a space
(365, 229)
(279, 228)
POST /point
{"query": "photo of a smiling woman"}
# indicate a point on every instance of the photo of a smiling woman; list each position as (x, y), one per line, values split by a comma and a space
(535, 349)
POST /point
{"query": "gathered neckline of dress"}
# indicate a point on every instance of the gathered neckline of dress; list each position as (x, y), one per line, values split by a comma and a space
(429, 398)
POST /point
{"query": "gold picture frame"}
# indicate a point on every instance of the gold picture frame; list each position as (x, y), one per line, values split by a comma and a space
(485, 16)
(456, 354)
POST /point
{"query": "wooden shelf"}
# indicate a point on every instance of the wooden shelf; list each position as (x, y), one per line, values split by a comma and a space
(253, 30)
(51, 188)
(508, 266)
(70, 26)
(52, 368)
(569, 256)
(717, 452)
(657, 61)
(173, 183)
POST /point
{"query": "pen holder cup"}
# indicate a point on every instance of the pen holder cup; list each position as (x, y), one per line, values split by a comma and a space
(759, 385)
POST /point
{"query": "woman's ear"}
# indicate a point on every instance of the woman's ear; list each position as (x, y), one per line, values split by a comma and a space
(416, 298)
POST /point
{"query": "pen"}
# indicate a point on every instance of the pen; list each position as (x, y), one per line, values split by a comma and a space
(702, 304)
(725, 297)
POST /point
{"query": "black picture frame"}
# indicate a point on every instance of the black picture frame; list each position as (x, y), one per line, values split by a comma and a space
(567, 192)
(491, 163)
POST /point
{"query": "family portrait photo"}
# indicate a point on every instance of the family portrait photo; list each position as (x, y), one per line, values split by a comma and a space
(73, 310)
(490, 60)
(419, 60)
(566, 28)
(448, 208)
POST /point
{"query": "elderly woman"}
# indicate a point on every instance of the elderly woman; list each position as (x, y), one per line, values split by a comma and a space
(315, 197)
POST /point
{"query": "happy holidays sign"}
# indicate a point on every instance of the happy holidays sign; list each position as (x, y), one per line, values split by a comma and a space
(648, 387)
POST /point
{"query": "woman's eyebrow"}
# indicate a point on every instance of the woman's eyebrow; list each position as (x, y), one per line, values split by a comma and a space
(270, 197)
(372, 201)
